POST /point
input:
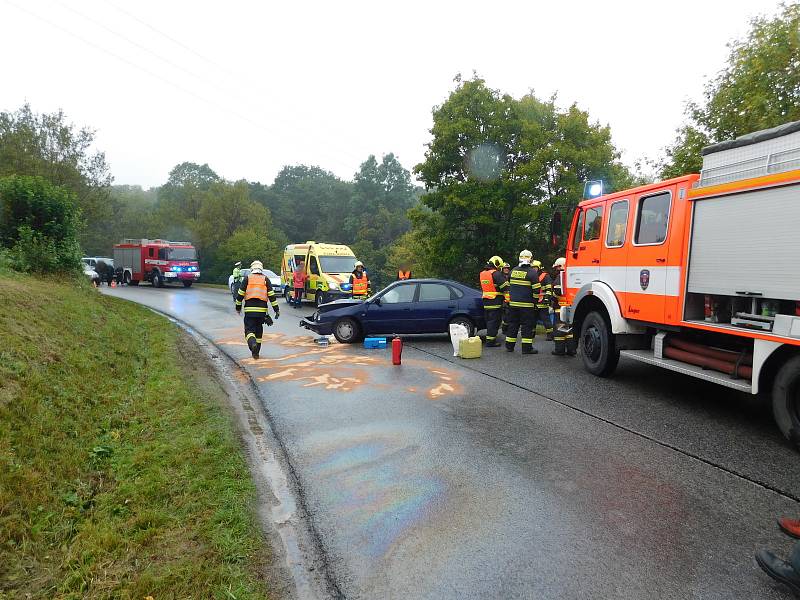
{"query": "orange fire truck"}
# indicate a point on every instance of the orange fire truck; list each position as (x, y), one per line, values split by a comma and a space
(156, 261)
(698, 274)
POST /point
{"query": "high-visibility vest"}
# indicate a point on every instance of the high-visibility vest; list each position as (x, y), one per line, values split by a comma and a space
(360, 285)
(403, 275)
(256, 287)
(542, 275)
(487, 284)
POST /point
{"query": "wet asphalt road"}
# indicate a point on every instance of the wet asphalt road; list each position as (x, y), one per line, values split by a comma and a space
(513, 476)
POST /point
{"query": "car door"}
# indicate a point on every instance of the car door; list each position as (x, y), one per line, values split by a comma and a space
(584, 267)
(647, 273)
(433, 308)
(391, 311)
(312, 276)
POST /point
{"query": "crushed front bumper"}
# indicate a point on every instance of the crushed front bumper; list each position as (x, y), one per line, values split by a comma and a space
(312, 324)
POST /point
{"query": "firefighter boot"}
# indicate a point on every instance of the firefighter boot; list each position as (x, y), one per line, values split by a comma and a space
(571, 343)
(787, 573)
(510, 343)
(560, 343)
(253, 344)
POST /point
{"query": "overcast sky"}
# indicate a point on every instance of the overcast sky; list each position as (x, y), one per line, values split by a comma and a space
(251, 86)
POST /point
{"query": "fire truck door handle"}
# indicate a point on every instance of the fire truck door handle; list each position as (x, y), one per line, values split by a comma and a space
(574, 254)
(595, 261)
(661, 260)
(581, 247)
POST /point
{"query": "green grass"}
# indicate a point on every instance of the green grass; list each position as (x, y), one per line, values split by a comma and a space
(120, 472)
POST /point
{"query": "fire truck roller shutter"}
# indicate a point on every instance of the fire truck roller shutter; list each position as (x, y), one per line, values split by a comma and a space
(746, 242)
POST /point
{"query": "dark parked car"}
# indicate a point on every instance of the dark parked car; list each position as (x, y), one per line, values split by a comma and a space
(404, 307)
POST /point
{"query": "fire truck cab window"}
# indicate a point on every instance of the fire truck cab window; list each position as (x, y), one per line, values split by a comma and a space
(162, 254)
(652, 219)
(594, 223)
(150, 252)
(576, 235)
(617, 224)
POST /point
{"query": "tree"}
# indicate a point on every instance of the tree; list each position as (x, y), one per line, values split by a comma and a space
(39, 225)
(759, 88)
(48, 146)
(497, 169)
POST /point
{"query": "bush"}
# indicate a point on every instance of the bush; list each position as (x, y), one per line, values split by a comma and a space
(39, 225)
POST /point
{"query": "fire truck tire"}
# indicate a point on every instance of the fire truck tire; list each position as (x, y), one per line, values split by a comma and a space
(187, 283)
(158, 281)
(133, 282)
(786, 400)
(598, 348)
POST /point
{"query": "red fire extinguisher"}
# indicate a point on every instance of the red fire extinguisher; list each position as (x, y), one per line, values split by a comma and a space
(397, 350)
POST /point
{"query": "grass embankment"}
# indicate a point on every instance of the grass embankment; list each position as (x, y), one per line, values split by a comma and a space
(120, 473)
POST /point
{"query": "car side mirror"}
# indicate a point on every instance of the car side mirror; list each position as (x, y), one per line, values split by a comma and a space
(555, 230)
(376, 301)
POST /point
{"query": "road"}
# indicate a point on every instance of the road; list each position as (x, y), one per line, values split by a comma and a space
(513, 476)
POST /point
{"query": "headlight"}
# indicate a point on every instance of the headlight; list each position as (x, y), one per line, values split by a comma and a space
(333, 285)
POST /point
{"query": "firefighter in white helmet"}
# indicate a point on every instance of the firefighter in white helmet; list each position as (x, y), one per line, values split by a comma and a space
(360, 286)
(524, 294)
(563, 336)
(256, 292)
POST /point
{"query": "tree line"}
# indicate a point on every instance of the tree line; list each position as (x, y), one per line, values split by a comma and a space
(495, 171)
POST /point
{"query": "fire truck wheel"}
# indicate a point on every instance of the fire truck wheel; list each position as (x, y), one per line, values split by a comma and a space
(157, 280)
(187, 283)
(598, 350)
(786, 400)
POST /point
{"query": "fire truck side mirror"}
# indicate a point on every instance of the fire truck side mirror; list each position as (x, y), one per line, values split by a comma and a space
(555, 230)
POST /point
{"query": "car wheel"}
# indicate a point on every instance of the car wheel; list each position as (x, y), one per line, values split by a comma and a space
(187, 283)
(287, 296)
(346, 330)
(157, 280)
(598, 347)
(465, 321)
(786, 400)
(318, 298)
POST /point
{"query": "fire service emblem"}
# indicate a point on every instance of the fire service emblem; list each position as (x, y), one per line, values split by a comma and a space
(644, 278)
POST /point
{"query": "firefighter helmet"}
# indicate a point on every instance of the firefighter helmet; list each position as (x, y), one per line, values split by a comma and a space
(506, 266)
(525, 257)
(536, 264)
(256, 265)
(560, 262)
(238, 263)
(358, 264)
(496, 261)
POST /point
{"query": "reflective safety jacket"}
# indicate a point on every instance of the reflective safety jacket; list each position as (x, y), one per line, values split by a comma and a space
(403, 275)
(524, 287)
(493, 282)
(256, 292)
(237, 274)
(361, 286)
(545, 291)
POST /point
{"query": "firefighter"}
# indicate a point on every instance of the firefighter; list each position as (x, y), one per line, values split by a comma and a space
(257, 294)
(524, 289)
(506, 299)
(403, 273)
(563, 336)
(237, 277)
(359, 282)
(493, 283)
(545, 300)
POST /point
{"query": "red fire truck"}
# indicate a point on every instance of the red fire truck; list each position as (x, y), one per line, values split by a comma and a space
(156, 261)
(699, 274)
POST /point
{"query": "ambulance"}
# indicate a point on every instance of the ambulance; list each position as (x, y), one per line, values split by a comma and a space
(327, 267)
(699, 274)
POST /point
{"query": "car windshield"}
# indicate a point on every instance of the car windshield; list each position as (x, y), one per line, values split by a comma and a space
(182, 254)
(271, 274)
(337, 264)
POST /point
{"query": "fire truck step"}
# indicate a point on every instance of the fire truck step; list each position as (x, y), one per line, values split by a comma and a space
(647, 356)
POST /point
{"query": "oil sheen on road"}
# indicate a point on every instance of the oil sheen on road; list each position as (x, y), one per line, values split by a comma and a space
(434, 480)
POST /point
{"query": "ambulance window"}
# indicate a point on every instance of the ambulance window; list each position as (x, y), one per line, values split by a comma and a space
(594, 223)
(314, 266)
(617, 224)
(576, 235)
(652, 219)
